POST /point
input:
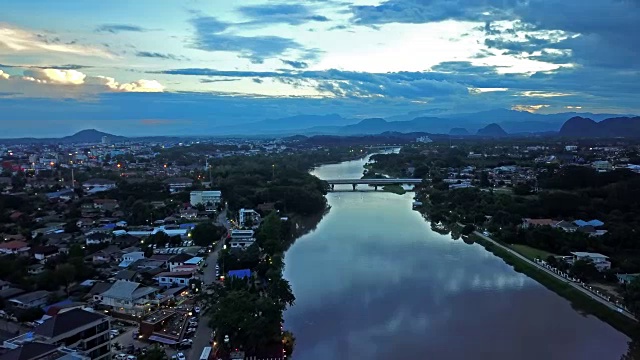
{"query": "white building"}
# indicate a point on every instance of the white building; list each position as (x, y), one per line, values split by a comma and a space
(167, 279)
(602, 165)
(248, 215)
(204, 197)
(242, 238)
(600, 261)
(128, 297)
(129, 258)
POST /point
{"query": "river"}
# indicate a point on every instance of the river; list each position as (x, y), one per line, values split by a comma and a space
(373, 281)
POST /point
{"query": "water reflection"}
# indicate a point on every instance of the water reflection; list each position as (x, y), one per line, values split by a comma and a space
(373, 281)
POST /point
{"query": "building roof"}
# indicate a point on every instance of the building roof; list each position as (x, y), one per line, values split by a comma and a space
(14, 245)
(193, 261)
(67, 321)
(589, 254)
(126, 275)
(46, 249)
(10, 292)
(540, 222)
(180, 258)
(178, 180)
(29, 351)
(244, 273)
(29, 297)
(97, 181)
(177, 274)
(594, 223)
(99, 288)
(127, 290)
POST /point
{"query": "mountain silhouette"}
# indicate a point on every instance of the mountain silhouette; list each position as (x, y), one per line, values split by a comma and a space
(611, 127)
(492, 130)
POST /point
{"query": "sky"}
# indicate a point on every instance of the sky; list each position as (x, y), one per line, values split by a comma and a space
(149, 67)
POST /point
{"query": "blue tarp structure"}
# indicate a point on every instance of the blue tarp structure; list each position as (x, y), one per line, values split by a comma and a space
(594, 223)
(109, 226)
(244, 273)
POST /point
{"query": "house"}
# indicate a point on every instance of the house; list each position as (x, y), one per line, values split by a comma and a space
(62, 195)
(528, 223)
(42, 253)
(102, 184)
(30, 300)
(195, 261)
(625, 279)
(129, 258)
(600, 261)
(594, 223)
(17, 237)
(97, 237)
(109, 254)
(128, 297)
(168, 279)
(163, 258)
(178, 260)
(105, 204)
(178, 184)
(566, 226)
(35, 269)
(242, 238)
(14, 247)
(80, 329)
(98, 289)
(188, 213)
(126, 275)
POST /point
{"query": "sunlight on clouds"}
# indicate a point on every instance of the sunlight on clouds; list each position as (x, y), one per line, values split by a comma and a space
(542, 94)
(3, 75)
(16, 40)
(55, 76)
(573, 107)
(529, 108)
(485, 90)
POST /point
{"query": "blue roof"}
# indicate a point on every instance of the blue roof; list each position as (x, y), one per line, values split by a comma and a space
(594, 223)
(187, 226)
(109, 226)
(244, 273)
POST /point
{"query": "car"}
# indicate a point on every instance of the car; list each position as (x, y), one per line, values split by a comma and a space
(193, 324)
(132, 357)
(120, 356)
(217, 266)
(191, 329)
(185, 344)
(179, 356)
(197, 309)
(486, 233)
(193, 319)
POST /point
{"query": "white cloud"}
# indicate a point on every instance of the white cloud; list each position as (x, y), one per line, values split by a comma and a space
(56, 76)
(529, 108)
(14, 40)
(61, 82)
(142, 85)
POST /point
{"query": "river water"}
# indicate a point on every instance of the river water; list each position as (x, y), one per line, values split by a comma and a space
(373, 281)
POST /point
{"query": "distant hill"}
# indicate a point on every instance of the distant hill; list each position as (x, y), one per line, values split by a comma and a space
(492, 130)
(287, 125)
(611, 127)
(84, 136)
(458, 131)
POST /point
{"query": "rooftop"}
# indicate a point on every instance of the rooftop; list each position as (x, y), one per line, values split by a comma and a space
(67, 321)
(589, 254)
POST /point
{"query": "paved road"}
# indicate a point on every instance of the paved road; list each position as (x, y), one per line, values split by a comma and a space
(202, 336)
(571, 283)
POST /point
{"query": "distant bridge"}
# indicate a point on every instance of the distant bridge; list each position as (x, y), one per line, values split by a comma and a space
(373, 182)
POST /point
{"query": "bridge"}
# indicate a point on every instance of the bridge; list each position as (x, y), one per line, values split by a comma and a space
(373, 182)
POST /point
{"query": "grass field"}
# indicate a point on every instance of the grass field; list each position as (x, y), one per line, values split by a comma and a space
(531, 253)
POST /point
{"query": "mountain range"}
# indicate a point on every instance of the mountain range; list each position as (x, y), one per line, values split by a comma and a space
(613, 127)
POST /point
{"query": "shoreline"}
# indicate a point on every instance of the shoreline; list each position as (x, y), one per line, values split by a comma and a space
(579, 301)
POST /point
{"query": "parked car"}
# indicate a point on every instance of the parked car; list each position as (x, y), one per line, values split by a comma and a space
(179, 356)
(185, 344)
(121, 356)
(193, 324)
(197, 309)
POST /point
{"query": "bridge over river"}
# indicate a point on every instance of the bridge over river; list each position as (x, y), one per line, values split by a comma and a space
(373, 182)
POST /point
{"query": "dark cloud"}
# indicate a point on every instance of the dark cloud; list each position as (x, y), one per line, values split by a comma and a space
(257, 80)
(116, 28)
(295, 64)
(157, 55)
(60, 67)
(602, 31)
(205, 81)
(210, 36)
(292, 14)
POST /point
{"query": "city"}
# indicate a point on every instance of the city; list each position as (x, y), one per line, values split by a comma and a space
(319, 179)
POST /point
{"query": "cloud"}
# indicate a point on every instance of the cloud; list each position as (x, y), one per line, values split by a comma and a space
(292, 14)
(206, 81)
(156, 55)
(117, 28)
(154, 122)
(295, 64)
(14, 40)
(62, 82)
(210, 35)
(529, 108)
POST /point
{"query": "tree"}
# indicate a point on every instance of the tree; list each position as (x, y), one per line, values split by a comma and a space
(154, 352)
(584, 270)
(206, 234)
(467, 229)
(71, 227)
(66, 273)
(30, 314)
(632, 296)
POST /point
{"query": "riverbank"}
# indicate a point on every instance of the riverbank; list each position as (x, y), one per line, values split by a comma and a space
(396, 189)
(578, 299)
